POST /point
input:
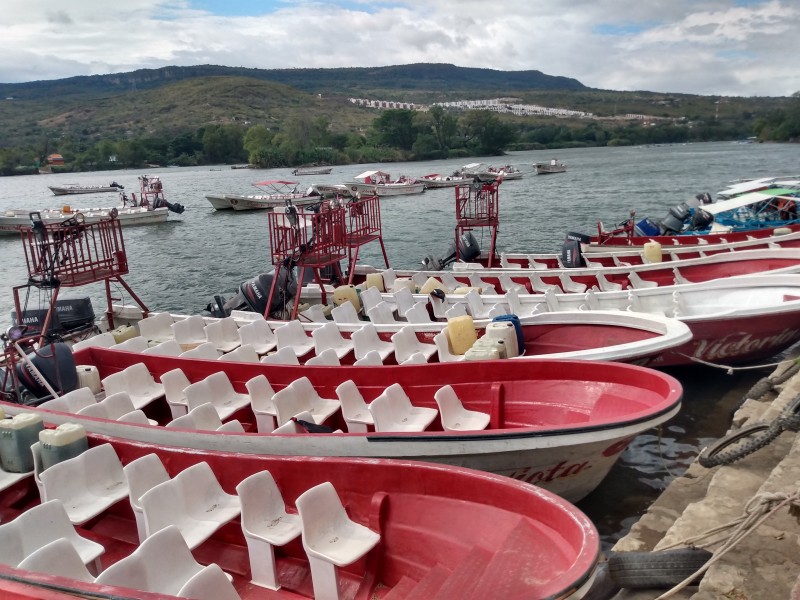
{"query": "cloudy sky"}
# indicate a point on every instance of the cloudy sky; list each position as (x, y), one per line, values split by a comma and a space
(711, 47)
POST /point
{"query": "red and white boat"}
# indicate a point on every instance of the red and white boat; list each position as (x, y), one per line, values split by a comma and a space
(277, 193)
(406, 528)
(558, 424)
(733, 320)
(435, 180)
(379, 183)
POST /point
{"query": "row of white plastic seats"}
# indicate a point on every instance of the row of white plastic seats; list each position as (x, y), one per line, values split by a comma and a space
(160, 501)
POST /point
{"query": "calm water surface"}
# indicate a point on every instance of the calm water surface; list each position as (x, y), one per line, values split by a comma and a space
(179, 265)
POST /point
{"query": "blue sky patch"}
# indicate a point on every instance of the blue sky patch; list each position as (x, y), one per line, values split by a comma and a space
(622, 28)
(244, 8)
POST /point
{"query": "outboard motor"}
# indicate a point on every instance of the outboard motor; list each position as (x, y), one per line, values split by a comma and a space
(253, 295)
(56, 364)
(572, 250)
(701, 219)
(468, 250)
(676, 217)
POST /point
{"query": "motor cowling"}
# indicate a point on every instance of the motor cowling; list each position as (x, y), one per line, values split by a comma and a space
(56, 364)
(572, 250)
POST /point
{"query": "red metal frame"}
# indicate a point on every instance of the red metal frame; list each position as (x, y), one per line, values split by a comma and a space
(477, 205)
(363, 227)
(74, 254)
(315, 240)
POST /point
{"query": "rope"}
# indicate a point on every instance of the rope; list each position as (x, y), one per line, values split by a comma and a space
(731, 369)
(758, 509)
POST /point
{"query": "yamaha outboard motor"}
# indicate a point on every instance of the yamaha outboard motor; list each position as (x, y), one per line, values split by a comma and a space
(571, 250)
(56, 364)
(468, 250)
(176, 208)
(676, 217)
(254, 293)
(701, 219)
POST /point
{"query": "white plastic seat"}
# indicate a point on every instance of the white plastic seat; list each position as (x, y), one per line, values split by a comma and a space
(381, 313)
(515, 307)
(458, 309)
(162, 564)
(71, 402)
(157, 327)
(418, 358)
(193, 501)
(218, 390)
(211, 583)
(39, 526)
(403, 300)
(485, 287)
(393, 411)
(137, 381)
(507, 264)
(232, 426)
(259, 335)
(354, 409)
(638, 283)
(535, 264)
(189, 332)
(293, 336)
(136, 416)
(244, 353)
(509, 284)
(300, 395)
(224, 334)
(476, 306)
(326, 358)
(370, 359)
(261, 393)
(406, 344)
(102, 340)
(203, 417)
(330, 538)
(265, 524)
(134, 344)
(551, 300)
(328, 337)
(203, 351)
(418, 313)
(36, 452)
(7, 479)
(284, 356)
(345, 314)
(58, 558)
(87, 484)
(590, 301)
(621, 263)
(292, 426)
(449, 281)
(143, 474)
(165, 348)
(370, 298)
(454, 416)
(314, 314)
(366, 339)
(389, 277)
(175, 382)
(678, 277)
(112, 407)
(538, 285)
(442, 342)
(570, 286)
(606, 285)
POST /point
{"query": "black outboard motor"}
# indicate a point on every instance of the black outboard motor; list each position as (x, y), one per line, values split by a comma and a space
(468, 250)
(676, 217)
(701, 220)
(571, 250)
(254, 293)
(56, 364)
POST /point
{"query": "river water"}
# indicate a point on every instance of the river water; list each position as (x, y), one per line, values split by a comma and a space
(179, 265)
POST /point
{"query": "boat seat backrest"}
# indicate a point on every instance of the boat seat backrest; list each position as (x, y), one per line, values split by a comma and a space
(259, 335)
(381, 313)
(345, 314)
(418, 313)
(407, 344)
(102, 340)
(355, 410)
(638, 283)
(143, 474)
(142, 388)
(403, 300)
(442, 342)
(314, 314)
(551, 299)
(509, 284)
(190, 330)
(71, 402)
(175, 382)
(538, 284)
(370, 359)
(284, 356)
(193, 501)
(606, 285)
(58, 558)
(569, 285)
(165, 348)
(535, 264)
(389, 277)
(454, 416)
(326, 358)
(162, 564)
(449, 281)
(264, 511)
(591, 301)
(156, 327)
(224, 334)
(260, 391)
(87, 484)
(476, 281)
(111, 407)
(419, 278)
(329, 536)
(366, 339)
(507, 264)
(136, 416)
(370, 297)
(292, 427)
(459, 309)
(134, 344)
(293, 336)
(203, 417)
(204, 351)
(218, 390)
(211, 583)
(320, 408)
(328, 337)
(36, 452)
(246, 353)
(392, 411)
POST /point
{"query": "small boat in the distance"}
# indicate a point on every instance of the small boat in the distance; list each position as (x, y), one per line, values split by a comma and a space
(277, 192)
(77, 188)
(311, 170)
(435, 180)
(379, 183)
(554, 166)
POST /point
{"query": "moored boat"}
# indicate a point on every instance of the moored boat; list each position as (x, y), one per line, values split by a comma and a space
(311, 170)
(434, 180)
(381, 184)
(77, 188)
(559, 424)
(400, 528)
(554, 166)
(278, 193)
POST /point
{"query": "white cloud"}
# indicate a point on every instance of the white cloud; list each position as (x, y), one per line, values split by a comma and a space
(705, 47)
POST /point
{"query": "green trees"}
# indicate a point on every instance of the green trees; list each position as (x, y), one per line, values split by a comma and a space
(781, 125)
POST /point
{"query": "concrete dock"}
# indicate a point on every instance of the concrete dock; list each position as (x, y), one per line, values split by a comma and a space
(764, 564)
